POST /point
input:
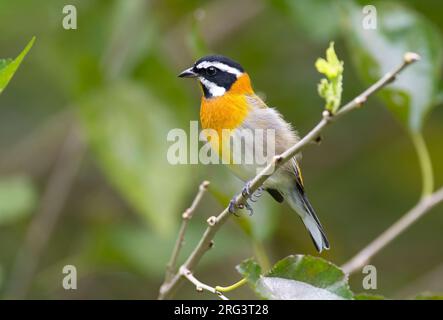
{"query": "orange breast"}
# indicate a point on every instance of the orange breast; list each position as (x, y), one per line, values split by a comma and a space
(226, 112)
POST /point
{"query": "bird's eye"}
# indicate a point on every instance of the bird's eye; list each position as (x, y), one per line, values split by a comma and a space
(211, 71)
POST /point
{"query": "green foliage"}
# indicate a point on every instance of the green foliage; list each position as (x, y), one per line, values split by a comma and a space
(8, 67)
(122, 122)
(330, 89)
(250, 270)
(374, 52)
(17, 198)
(302, 277)
(298, 277)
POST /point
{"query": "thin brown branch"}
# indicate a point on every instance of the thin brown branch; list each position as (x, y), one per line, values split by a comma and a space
(200, 286)
(168, 289)
(418, 211)
(186, 216)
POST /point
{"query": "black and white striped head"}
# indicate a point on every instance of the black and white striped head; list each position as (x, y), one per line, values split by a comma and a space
(216, 74)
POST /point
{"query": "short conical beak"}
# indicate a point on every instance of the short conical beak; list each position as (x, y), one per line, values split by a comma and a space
(188, 73)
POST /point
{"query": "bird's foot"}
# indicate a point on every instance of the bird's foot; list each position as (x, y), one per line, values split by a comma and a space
(257, 194)
(233, 206)
(246, 191)
(248, 207)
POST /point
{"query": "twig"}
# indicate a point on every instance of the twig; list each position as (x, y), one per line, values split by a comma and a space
(234, 286)
(168, 289)
(54, 197)
(187, 215)
(200, 286)
(422, 207)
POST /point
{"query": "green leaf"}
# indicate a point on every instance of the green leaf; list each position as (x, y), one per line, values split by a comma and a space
(17, 198)
(330, 89)
(298, 277)
(8, 66)
(123, 123)
(4, 63)
(250, 270)
(314, 271)
(375, 52)
(275, 288)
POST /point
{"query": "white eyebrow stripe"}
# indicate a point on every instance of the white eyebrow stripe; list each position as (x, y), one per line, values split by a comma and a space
(214, 90)
(219, 65)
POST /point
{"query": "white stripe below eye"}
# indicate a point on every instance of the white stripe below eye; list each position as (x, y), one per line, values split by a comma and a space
(214, 90)
(219, 65)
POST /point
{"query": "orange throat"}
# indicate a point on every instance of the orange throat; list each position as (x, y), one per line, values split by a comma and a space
(229, 110)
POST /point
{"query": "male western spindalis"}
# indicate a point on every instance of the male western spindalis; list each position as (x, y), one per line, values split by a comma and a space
(229, 102)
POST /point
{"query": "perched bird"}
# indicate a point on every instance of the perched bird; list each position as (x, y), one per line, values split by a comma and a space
(229, 102)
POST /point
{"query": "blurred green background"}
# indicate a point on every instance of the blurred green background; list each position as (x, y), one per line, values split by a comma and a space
(83, 173)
